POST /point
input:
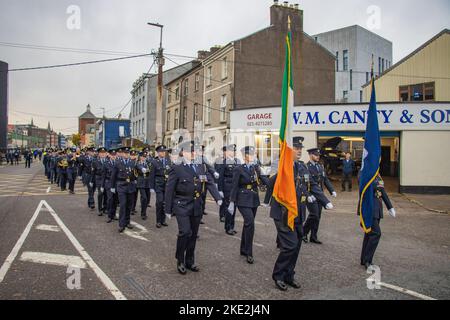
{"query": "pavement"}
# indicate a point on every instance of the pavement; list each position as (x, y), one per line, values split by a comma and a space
(53, 247)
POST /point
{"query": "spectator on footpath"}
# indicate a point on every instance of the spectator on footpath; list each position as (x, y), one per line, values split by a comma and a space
(348, 167)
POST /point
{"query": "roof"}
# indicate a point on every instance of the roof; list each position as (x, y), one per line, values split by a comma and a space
(88, 114)
(196, 65)
(426, 44)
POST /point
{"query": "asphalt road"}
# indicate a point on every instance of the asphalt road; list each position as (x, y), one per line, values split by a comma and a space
(50, 242)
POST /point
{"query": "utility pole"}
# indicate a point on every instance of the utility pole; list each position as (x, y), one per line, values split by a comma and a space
(159, 88)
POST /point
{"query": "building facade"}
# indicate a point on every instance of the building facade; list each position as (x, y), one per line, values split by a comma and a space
(3, 104)
(143, 103)
(111, 132)
(354, 47)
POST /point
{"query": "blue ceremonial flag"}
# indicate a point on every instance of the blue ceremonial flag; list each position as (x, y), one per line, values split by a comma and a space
(370, 164)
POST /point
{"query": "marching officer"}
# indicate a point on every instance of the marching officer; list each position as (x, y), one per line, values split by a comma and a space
(112, 199)
(97, 179)
(244, 195)
(88, 172)
(134, 158)
(72, 169)
(371, 239)
(158, 178)
(62, 166)
(80, 161)
(143, 170)
(225, 168)
(187, 183)
(207, 166)
(125, 181)
(290, 241)
(317, 172)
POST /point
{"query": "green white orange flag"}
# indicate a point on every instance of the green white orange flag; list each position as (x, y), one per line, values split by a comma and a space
(284, 190)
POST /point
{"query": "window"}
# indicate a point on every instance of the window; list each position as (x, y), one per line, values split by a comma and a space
(345, 95)
(417, 92)
(132, 110)
(337, 60)
(197, 81)
(177, 92)
(345, 57)
(196, 118)
(360, 96)
(168, 121)
(175, 120)
(143, 104)
(382, 65)
(367, 77)
(207, 116)
(185, 117)
(379, 65)
(223, 108)
(351, 79)
(186, 87)
(208, 76)
(169, 96)
(224, 68)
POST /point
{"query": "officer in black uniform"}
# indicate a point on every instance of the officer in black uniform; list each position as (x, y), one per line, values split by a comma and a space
(62, 166)
(134, 158)
(290, 240)
(202, 160)
(183, 198)
(97, 179)
(81, 166)
(124, 179)
(225, 168)
(244, 194)
(158, 178)
(112, 199)
(143, 182)
(52, 166)
(72, 169)
(88, 172)
(372, 238)
(317, 172)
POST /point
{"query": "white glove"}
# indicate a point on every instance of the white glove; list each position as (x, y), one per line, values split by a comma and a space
(216, 175)
(113, 190)
(221, 194)
(334, 194)
(169, 216)
(392, 212)
(265, 205)
(311, 199)
(329, 206)
(219, 203)
(231, 208)
(91, 184)
(152, 190)
(144, 170)
(102, 190)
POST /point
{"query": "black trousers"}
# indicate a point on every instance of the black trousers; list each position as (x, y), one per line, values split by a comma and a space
(290, 243)
(370, 242)
(347, 177)
(248, 231)
(313, 220)
(229, 219)
(133, 207)
(91, 192)
(101, 200)
(27, 163)
(112, 201)
(63, 180)
(145, 199)
(187, 238)
(126, 201)
(71, 177)
(160, 214)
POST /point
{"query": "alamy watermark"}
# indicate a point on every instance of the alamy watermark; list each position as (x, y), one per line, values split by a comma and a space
(73, 22)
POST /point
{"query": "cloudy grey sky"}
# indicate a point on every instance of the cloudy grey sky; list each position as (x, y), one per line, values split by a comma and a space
(55, 95)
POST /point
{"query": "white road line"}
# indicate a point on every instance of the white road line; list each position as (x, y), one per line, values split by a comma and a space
(406, 291)
(53, 259)
(135, 235)
(9, 260)
(46, 227)
(100, 274)
(48, 189)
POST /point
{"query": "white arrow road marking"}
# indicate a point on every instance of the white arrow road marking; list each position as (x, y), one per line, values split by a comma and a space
(53, 259)
(48, 189)
(44, 206)
(46, 227)
(137, 234)
(406, 291)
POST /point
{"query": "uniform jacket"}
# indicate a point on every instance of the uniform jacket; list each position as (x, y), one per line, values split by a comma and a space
(186, 188)
(348, 167)
(225, 168)
(143, 179)
(98, 171)
(319, 176)
(380, 196)
(107, 173)
(244, 191)
(123, 176)
(159, 174)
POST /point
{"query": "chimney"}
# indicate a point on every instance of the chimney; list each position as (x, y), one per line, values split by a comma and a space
(202, 54)
(214, 49)
(279, 16)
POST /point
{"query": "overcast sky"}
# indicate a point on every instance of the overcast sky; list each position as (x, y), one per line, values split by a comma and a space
(115, 25)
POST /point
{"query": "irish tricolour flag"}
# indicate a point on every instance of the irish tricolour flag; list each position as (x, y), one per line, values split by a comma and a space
(284, 190)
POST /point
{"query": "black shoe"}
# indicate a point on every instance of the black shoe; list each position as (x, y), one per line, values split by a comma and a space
(72, 192)
(193, 268)
(133, 213)
(222, 219)
(234, 231)
(229, 232)
(115, 219)
(164, 224)
(250, 260)
(294, 284)
(305, 239)
(100, 214)
(158, 225)
(205, 213)
(122, 229)
(281, 285)
(109, 221)
(181, 268)
(92, 208)
(367, 265)
(129, 226)
(144, 217)
(315, 241)
(201, 222)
